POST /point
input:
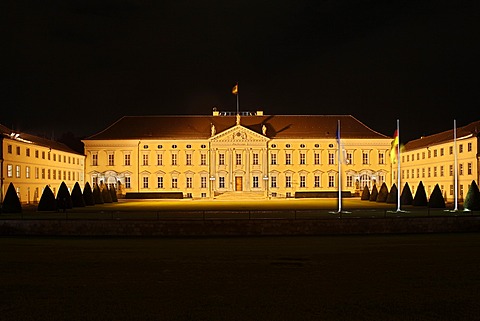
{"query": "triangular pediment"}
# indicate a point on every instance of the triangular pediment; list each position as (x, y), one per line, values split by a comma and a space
(239, 134)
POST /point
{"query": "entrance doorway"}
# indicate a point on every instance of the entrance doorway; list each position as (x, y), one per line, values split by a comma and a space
(238, 183)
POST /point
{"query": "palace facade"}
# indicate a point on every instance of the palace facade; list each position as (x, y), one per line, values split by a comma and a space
(250, 155)
(31, 163)
(431, 159)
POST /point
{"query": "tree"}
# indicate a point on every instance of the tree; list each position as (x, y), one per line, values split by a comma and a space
(11, 203)
(392, 195)
(436, 199)
(365, 194)
(107, 197)
(88, 195)
(420, 198)
(382, 193)
(406, 198)
(47, 201)
(64, 199)
(374, 193)
(77, 196)
(472, 200)
(113, 194)
(97, 195)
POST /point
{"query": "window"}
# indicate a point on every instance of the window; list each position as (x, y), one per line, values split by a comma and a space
(349, 159)
(9, 170)
(36, 153)
(442, 151)
(255, 181)
(94, 160)
(111, 160)
(381, 158)
(365, 158)
(159, 159)
(316, 159)
(127, 182)
(451, 170)
(159, 182)
(469, 147)
(469, 169)
(27, 172)
(450, 150)
(145, 159)
(442, 171)
(48, 173)
(189, 182)
(9, 149)
(460, 148)
(17, 171)
(37, 173)
(460, 169)
(221, 182)
(127, 160)
(302, 158)
(331, 181)
(221, 159)
(434, 153)
(27, 152)
(302, 181)
(203, 195)
(255, 158)
(43, 155)
(145, 182)
(238, 158)
(288, 181)
(203, 182)
(189, 159)
(331, 158)
(43, 174)
(350, 180)
(273, 158)
(174, 159)
(273, 181)
(18, 150)
(288, 158)
(203, 159)
(317, 181)
(174, 182)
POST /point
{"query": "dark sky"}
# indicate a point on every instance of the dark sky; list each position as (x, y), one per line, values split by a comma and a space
(79, 65)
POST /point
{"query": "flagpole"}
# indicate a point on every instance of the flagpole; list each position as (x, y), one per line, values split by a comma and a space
(339, 168)
(398, 166)
(455, 187)
(238, 105)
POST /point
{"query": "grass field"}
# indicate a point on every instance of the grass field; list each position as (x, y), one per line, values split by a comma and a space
(372, 277)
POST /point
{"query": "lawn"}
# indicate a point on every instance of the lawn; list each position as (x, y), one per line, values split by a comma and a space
(372, 277)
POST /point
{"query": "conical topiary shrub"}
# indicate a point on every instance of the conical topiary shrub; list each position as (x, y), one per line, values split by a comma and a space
(97, 195)
(11, 202)
(107, 198)
(88, 195)
(374, 193)
(365, 194)
(64, 199)
(77, 196)
(382, 193)
(420, 198)
(392, 197)
(47, 201)
(113, 194)
(436, 199)
(406, 198)
(472, 200)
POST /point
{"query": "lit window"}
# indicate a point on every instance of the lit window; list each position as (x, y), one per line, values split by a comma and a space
(203, 182)
(9, 170)
(221, 182)
(27, 172)
(174, 159)
(145, 182)
(273, 181)
(255, 158)
(159, 182)
(174, 182)
(288, 159)
(17, 171)
(127, 182)
(317, 181)
(288, 181)
(189, 182)
(302, 181)
(331, 181)
(255, 181)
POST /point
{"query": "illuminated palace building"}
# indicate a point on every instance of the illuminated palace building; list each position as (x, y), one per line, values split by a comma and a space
(30, 163)
(238, 155)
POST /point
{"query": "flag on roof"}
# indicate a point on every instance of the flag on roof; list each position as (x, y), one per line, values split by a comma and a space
(235, 89)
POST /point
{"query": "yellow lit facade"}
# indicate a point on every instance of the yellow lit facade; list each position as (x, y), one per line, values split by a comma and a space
(431, 159)
(31, 163)
(253, 156)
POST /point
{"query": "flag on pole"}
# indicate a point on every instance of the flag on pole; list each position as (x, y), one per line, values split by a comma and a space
(394, 148)
(235, 89)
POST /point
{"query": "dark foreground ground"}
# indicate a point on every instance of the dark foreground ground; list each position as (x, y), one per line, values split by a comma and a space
(370, 277)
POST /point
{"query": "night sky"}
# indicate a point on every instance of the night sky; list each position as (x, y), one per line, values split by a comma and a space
(78, 66)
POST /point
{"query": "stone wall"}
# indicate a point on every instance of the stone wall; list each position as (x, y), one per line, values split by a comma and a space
(239, 227)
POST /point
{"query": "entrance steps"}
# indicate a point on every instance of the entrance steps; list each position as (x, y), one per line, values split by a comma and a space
(242, 195)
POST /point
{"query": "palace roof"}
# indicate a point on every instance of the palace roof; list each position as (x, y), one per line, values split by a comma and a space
(471, 129)
(34, 140)
(199, 127)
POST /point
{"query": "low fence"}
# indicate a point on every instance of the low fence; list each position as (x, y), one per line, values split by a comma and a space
(243, 223)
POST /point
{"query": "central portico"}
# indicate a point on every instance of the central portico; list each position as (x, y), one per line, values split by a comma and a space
(238, 160)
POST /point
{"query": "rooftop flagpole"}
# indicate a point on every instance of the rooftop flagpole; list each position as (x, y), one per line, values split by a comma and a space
(235, 92)
(339, 168)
